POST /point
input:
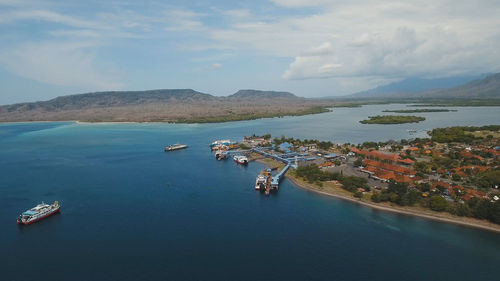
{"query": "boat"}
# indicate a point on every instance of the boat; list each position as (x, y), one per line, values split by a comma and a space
(220, 154)
(175, 147)
(223, 144)
(38, 212)
(240, 159)
(220, 142)
(263, 180)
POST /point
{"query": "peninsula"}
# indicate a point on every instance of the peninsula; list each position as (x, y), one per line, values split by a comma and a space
(452, 176)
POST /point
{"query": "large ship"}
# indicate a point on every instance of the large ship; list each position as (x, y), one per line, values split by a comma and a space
(175, 147)
(263, 180)
(37, 213)
(223, 144)
(220, 154)
(240, 159)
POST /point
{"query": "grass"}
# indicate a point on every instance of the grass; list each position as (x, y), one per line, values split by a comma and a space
(236, 117)
(392, 119)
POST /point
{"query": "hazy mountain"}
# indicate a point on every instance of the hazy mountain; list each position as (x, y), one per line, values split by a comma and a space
(411, 86)
(168, 105)
(253, 94)
(486, 88)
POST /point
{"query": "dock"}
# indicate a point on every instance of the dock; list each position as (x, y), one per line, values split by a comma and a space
(275, 180)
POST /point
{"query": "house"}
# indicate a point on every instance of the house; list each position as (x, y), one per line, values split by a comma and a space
(285, 147)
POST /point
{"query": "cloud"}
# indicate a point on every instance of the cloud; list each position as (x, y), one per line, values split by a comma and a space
(61, 64)
(301, 3)
(386, 39)
(183, 20)
(238, 14)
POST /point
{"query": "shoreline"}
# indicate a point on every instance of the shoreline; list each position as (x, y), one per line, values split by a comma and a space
(462, 221)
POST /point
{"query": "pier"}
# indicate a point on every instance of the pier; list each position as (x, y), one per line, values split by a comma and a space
(275, 180)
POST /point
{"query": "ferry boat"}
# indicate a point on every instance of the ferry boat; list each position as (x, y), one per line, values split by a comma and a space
(38, 212)
(220, 154)
(220, 143)
(223, 144)
(263, 180)
(240, 159)
(175, 147)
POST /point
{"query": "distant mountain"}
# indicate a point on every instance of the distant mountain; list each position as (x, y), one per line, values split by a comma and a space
(166, 105)
(255, 94)
(486, 88)
(411, 86)
(113, 98)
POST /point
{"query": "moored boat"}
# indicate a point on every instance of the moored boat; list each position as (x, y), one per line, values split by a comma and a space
(263, 180)
(38, 212)
(220, 154)
(240, 159)
(176, 146)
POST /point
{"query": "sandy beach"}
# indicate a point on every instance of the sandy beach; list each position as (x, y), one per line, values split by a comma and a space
(410, 211)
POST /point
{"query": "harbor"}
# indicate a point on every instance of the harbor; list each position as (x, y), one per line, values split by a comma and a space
(257, 148)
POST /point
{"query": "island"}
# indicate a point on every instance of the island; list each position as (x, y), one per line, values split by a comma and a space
(392, 119)
(423, 110)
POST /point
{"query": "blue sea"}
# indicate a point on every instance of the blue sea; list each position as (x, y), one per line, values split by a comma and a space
(133, 212)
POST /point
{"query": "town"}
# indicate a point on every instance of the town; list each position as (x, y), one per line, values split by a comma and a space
(456, 170)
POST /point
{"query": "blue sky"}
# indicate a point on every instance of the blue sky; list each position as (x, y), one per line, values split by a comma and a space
(312, 48)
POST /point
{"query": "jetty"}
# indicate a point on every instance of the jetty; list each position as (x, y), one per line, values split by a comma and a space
(275, 180)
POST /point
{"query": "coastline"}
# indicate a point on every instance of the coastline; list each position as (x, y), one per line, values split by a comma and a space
(409, 211)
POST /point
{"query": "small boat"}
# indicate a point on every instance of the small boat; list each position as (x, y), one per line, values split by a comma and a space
(263, 180)
(220, 142)
(38, 212)
(220, 154)
(240, 159)
(223, 144)
(175, 147)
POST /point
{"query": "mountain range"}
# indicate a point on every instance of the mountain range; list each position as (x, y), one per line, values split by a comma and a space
(164, 105)
(464, 87)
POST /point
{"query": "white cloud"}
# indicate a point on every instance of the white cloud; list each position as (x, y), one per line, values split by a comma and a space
(59, 63)
(238, 14)
(183, 20)
(379, 38)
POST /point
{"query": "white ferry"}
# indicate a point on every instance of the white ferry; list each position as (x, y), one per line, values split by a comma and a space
(37, 213)
(175, 147)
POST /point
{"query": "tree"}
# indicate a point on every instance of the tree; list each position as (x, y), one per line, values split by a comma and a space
(438, 203)
(358, 162)
(376, 197)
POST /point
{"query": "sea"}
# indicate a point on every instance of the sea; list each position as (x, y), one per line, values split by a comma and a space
(131, 211)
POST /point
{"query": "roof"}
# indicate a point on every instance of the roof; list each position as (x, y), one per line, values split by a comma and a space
(389, 167)
(376, 154)
(406, 161)
(331, 155)
(29, 213)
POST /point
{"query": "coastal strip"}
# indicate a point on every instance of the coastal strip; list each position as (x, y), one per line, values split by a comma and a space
(445, 217)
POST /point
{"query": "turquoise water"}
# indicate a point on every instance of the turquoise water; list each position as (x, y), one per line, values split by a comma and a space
(132, 212)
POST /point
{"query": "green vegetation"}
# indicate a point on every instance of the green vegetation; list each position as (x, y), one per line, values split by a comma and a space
(392, 119)
(325, 145)
(438, 203)
(424, 110)
(459, 134)
(313, 174)
(253, 116)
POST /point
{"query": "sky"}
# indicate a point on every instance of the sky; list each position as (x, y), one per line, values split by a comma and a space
(313, 48)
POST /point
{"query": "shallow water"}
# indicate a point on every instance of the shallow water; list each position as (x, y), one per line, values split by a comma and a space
(132, 212)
